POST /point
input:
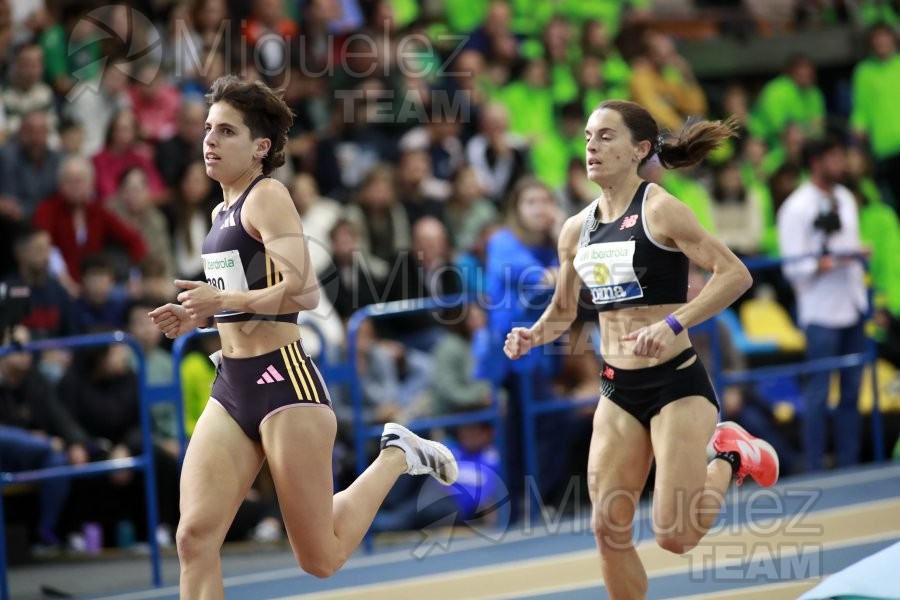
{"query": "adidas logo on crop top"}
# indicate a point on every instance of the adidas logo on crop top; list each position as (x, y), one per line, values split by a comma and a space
(236, 261)
(622, 265)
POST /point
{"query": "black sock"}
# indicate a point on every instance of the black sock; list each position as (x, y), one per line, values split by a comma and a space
(732, 458)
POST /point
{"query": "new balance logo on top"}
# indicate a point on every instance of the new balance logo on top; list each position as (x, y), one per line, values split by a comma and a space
(628, 222)
(749, 451)
(270, 375)
(229, 222)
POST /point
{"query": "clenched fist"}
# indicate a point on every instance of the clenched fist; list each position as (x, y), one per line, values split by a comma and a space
(518, 342)
(173, 320)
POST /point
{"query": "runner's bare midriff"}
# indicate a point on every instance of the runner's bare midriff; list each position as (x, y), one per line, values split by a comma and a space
(252, 338)
(616, 323)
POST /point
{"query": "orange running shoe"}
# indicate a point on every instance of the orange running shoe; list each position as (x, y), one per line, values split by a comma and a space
(758, 458)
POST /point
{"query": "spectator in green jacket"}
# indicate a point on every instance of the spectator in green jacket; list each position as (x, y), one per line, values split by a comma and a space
(876, 87)
(463, 16)
(735, 103)
(530, 16)
(879, 230)
(594, 87)
(683, 184)
(70, 47)
(560, 53)
(789, 150)
(873, 12)
(597, 43)
(530, 100)
(790, 98)
(197, 375)
(552, 152)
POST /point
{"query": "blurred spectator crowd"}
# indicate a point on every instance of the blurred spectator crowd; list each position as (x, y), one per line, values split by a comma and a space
(437, 149)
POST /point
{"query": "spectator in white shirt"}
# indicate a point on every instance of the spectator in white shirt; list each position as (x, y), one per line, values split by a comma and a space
(820, 222)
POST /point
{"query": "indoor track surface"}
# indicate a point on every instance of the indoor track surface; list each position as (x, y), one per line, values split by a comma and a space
(767, 545)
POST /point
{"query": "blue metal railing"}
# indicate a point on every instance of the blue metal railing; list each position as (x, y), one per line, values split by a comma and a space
(173, 389)
(722, 379)
(143, 462)
(364, 431)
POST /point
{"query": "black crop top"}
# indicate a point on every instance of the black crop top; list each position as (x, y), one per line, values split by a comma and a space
(234, 260)
(623, 266)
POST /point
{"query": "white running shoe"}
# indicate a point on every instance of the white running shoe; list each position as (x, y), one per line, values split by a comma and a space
(423, 457)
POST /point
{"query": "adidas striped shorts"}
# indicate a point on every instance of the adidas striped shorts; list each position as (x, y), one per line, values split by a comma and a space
(253, 389)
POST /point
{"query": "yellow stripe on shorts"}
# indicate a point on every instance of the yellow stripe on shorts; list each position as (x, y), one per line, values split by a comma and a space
(312, 383)
(287, 365)
(294, 357)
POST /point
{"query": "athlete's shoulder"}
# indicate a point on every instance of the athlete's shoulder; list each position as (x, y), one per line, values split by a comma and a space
(270, 208)
(658, 196)
(661, 207)
(668, 218)
(268, 186)
(268, 194)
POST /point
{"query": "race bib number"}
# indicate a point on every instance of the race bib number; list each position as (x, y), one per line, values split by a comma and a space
(225, 271)
(608, 271)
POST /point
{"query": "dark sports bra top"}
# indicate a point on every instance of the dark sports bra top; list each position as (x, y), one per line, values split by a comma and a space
(234, 260)
(622, 265)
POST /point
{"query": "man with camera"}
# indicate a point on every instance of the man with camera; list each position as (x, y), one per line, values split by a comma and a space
(818, 232)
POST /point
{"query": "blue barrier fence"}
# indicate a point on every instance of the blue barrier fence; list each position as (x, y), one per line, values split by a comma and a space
(363, 431)
(722, 379)
(143, 462)
(172, 391)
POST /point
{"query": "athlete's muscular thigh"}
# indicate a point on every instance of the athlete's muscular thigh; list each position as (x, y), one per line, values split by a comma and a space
(298, 442)
(618, 465)
(219, 467)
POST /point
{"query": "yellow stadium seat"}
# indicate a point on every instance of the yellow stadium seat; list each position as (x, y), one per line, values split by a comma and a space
(764, 320)
(887, 402)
